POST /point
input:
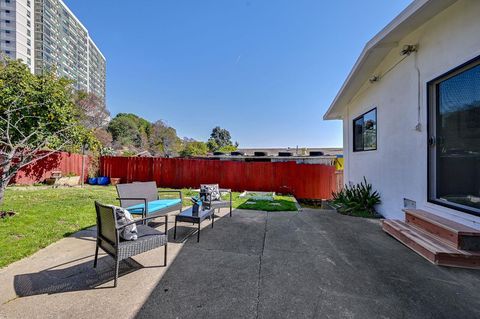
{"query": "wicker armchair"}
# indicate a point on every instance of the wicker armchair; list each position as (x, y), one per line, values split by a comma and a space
(220, 203)
(108, 237)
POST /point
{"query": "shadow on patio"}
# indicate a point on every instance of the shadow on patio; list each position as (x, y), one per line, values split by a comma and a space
(58, 279)
(79, 275)
(312, 264)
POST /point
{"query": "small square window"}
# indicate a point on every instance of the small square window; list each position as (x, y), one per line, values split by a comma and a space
(7, 41)
(7, 11)
(7, 31)
(28, 23)
(365, 132)
(7, 21)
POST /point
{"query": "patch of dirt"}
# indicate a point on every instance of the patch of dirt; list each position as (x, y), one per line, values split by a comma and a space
(6, 214)
(311, 203)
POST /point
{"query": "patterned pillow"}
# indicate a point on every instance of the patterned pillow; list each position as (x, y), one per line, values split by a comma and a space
(212, 190)
(124, 217)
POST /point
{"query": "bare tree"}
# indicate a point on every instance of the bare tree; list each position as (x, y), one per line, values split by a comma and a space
(94, 114)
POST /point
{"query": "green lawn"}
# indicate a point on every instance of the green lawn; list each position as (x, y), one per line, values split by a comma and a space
(46, 215)
(280, 204)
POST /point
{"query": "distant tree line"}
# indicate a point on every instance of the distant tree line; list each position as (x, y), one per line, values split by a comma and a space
(130, 134)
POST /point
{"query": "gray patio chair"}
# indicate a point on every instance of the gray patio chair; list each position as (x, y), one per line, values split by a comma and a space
(220, 203)
(143, 198)
(108, 238)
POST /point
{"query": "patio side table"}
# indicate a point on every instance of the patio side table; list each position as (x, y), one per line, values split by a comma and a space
(188, 216)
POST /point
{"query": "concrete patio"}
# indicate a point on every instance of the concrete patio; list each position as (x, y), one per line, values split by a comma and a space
(312, 264)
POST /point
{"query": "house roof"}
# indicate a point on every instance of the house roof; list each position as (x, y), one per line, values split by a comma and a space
(410, 19)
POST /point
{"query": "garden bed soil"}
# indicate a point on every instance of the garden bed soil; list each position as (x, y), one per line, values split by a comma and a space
(315, 203)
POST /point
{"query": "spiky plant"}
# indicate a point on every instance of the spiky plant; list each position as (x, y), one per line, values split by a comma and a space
(359, 199)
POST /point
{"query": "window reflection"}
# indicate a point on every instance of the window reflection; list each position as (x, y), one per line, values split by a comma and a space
(365, 132)
(370, 132)
(458, 139)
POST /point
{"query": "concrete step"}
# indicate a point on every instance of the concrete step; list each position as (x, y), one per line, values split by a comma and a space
(430, 246)
(460, 236)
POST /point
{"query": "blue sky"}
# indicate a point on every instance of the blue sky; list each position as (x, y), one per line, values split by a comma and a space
(266, 70)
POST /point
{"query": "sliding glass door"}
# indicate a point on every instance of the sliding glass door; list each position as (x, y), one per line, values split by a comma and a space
(454, 139)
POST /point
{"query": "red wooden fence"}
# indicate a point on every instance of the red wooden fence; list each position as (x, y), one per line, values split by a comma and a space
(306, 181)
(40, 170)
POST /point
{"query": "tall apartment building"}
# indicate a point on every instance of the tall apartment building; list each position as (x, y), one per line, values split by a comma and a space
(96, 70)
(17, 30)
(46, 34)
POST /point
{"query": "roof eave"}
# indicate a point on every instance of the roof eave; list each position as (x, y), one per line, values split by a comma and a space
(381, 44)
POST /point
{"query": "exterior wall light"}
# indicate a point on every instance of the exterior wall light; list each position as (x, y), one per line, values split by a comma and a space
(408, 49)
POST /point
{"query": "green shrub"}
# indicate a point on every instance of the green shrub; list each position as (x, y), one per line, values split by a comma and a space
(129, 153)
(357, 200)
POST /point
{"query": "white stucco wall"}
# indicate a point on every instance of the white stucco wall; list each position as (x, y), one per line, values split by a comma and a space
(398, 168)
